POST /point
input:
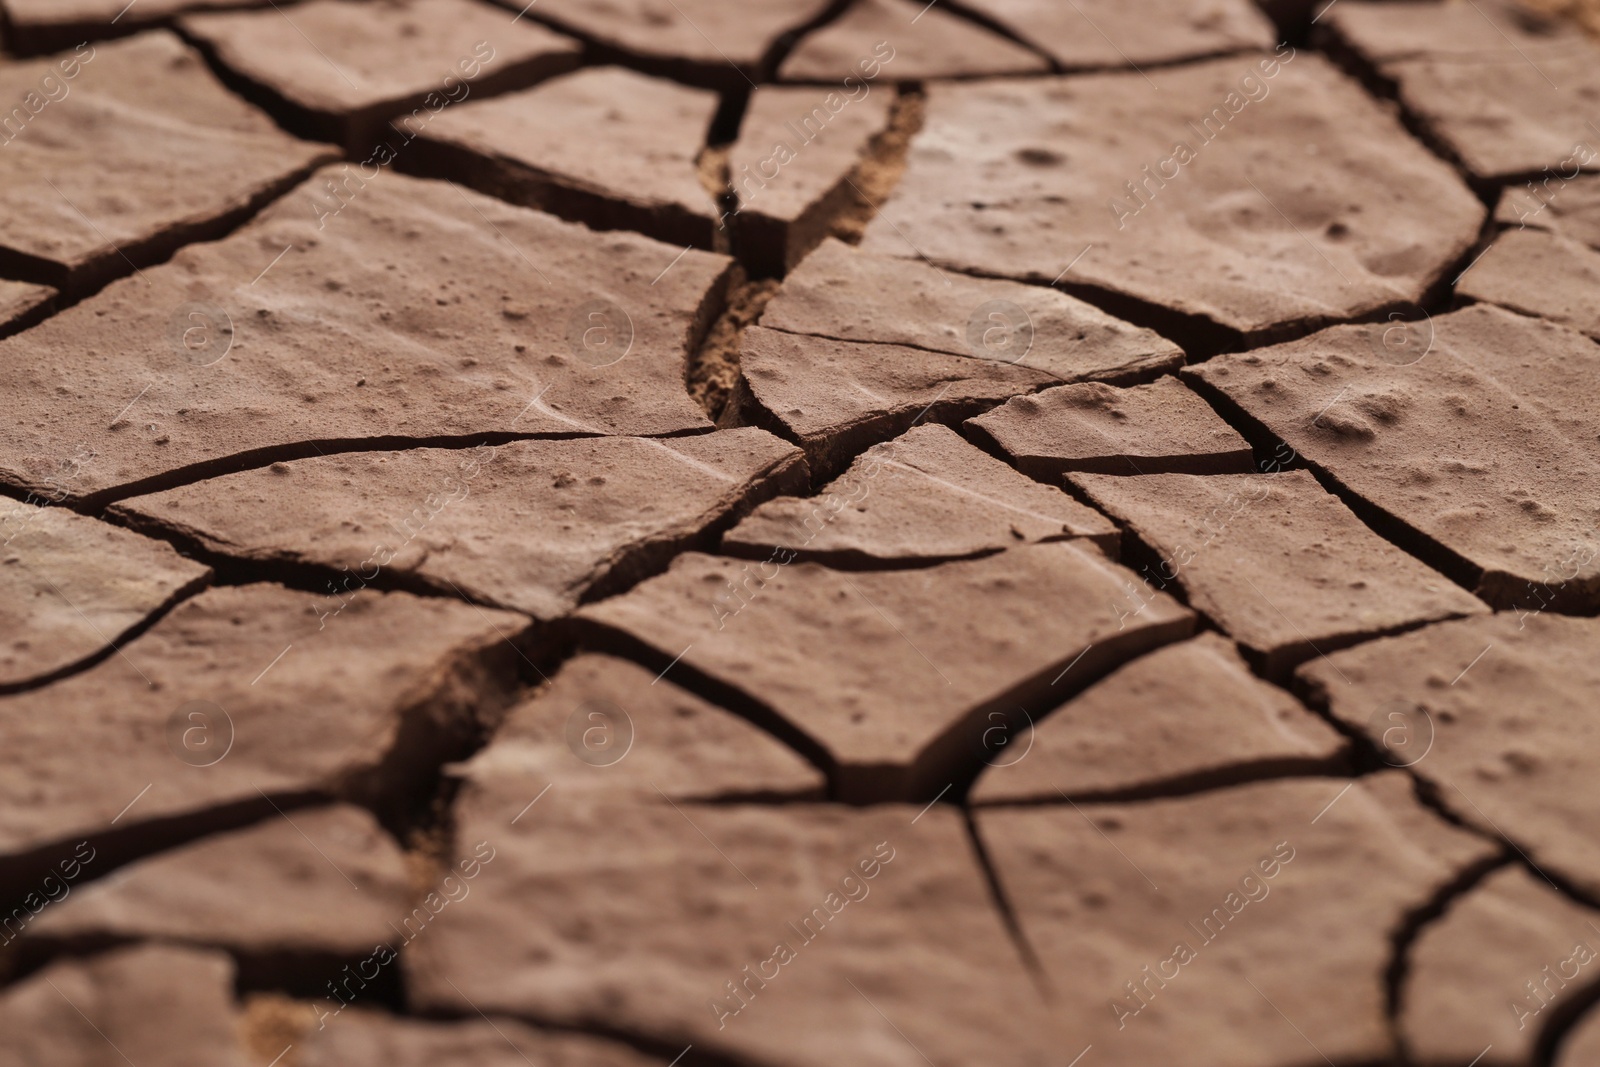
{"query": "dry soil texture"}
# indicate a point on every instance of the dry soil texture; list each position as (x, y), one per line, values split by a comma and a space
(789, 533)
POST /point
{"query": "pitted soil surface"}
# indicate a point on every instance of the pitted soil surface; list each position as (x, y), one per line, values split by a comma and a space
(799, 532)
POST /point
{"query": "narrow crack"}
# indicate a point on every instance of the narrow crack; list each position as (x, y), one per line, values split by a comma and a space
(1411, 928)
(115, 847)
(151, 251)
(31, 317)
(1390, 527)
(1005, 909)
(1564, 1018)
(1198, 783)
(266, 455)
(785, 44)
(188, 591)
(1379, 85)
(593, 636)
(646, 1044)
(422, 812)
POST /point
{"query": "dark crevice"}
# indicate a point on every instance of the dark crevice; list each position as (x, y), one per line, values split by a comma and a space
(289, 570)
(729, 118)
(1390, 527)
(524, 185)
(466, 698)
(764, 798)
(1564, 1017)
(646, 559)
(113, 643)
(1269, 453)
(1378, 83)
(967, 13)
(1364, 754)
(715, 178)
(1005, 909)
(653, 1046)
(855, 561)
(266, 455)
(785, 44)
(720, 75)
(1198, 336)
(769, 246)
(406, 790)
(1369, 73)
(1279, 666)
(859, 561)
(1412, 924)
(1503, 184)
(1369, 758)
(326, 975)
(1202, 338)
(1191, 59)
(1430, 793)
(114, 847)
(338, 584)
(78, 284)
(1434, 795)
(1293, 18)
(1440, 296)
(290, 118)
(968, 747)
(30, 317)
(949, 763)
(1138, 555)
(831, 456)
(1002, 30)
(428, 830)
(1119, 465)
(358, 132)
(1141, 374)
(589, 635)
(1197, 783)
(633, 564)
(304, 973)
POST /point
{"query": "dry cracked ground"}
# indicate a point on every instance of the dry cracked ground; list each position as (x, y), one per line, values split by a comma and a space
(799, 532)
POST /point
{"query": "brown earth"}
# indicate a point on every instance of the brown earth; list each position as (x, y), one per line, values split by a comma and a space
(800, 532)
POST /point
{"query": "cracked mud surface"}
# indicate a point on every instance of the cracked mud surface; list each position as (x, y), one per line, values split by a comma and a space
(802, 532)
